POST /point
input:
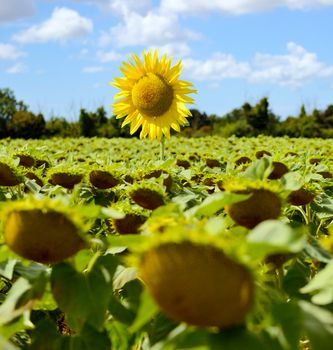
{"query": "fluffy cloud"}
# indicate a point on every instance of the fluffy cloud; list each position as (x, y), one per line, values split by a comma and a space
(153, 28)
(9, 52)
(120, 7)
(219, 66)
(109, 56)
(125, 7)
(295, 68)
(64, 24)
(11, 10)
(237, 7)
(141, 24)
(178, 49)
(17, 68)
(93, 69)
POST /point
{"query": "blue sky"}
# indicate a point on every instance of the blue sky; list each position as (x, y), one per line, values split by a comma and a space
(59, 56)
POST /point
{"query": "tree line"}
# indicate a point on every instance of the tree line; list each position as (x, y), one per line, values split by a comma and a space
(17, 121)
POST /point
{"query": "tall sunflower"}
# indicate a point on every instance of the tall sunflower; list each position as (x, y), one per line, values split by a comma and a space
(152, 96)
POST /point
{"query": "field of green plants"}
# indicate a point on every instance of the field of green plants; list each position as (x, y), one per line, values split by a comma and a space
(223, 244)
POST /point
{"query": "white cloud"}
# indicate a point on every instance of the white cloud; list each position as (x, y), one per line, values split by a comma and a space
(219, 66)
(125, 7)
(83, 52)
(11, 10)
(141, 24)
(178, 49)
(109, 56)
(93, 69)
(237, 7)
(154, 28)
(120, 7)
(9, 52)
(295, 68)
(104, 39)
(17, 68)
(64, 24)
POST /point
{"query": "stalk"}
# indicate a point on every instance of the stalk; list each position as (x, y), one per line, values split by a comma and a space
(162, 148)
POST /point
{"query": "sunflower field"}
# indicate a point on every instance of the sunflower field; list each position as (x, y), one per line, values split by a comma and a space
(223, 244)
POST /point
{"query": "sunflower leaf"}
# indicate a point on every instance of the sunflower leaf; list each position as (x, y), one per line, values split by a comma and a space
(272, 237)
(217, 201)
(322, 286)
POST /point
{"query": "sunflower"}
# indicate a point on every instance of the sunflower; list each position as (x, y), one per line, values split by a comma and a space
(152, 96)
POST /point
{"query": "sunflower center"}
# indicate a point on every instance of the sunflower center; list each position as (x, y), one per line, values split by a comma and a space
(152, 96)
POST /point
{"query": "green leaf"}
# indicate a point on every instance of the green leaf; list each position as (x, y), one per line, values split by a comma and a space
(120, 312)
(288, 315)
(323, 206)
(32, 186)
(84, 297)
(237, 338)
(160, 327)
(125, 240)
(82, 259)
(22, 297)
(291, 181)
(10, 329)
(315, 251)
(322, 286)
(119, 335)
(7, 268)
(216, 201)
(46, 333)
(112, 213)
(93, 211)
(89, 338)
(147, 310)
(8, 309)
(184, 338)
(272, 237)
(296, 277)
(318, 325)
(6, 253)
(31, 272)
(123, 275)
(260, 170)
(216, 225)
(5, 345)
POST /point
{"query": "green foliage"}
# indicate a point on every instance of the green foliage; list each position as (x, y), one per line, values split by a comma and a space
(26, 125)
(259, 116)
(72, 290)
(8, 107)
(247, 121)
(90, 122)
(60, 127)
(9, 104)
(97, 299)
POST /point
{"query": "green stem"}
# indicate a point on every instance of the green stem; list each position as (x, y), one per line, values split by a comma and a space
(308, 213)
(162, 148)
(318, 228)
(92, 262)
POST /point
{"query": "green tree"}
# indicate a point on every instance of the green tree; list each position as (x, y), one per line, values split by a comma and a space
(26, 125)
(9, 105)
(92, 122)
(260, 117)
(60, 127)
(198, 119)
(302, 112)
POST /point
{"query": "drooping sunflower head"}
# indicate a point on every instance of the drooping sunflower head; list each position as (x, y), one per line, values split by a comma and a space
(152, 96)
